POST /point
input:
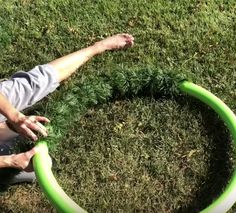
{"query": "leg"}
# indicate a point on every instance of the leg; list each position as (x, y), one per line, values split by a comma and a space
(67, 65)
(9, 176)
(6, 134)
(26, 88)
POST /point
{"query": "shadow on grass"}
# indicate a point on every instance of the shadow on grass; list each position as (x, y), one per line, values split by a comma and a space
(220, 165)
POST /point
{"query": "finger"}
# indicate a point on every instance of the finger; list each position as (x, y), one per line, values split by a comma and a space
(128, 36)
(29, 168)
(42, 127)
(125, 35)
(37, 128)
(42, 119)
(26, 131)
(29, 154)
(34, 120)
(129, 40)
(130, 43)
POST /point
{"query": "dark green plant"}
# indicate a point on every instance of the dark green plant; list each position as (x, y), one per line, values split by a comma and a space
(95, 90)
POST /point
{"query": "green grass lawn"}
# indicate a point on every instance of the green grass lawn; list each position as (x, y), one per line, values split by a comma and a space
(151, 155)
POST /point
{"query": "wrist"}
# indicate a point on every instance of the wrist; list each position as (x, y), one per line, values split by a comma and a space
(13, 119)
(6, 161)
(14, 116)
(6, 108)
(98, 48)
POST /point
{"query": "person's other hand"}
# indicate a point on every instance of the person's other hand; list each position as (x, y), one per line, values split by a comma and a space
(28, 125)
(22, 161)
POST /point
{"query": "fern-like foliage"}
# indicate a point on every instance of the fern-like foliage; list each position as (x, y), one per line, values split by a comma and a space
(95, 90)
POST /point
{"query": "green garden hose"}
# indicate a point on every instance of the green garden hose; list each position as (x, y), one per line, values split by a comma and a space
(63, 203)
(42, 166)
(227, 199)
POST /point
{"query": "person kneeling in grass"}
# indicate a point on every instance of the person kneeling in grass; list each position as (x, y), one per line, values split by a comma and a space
(24, 89)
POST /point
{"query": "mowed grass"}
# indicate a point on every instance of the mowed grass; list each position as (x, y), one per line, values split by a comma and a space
(139, 155)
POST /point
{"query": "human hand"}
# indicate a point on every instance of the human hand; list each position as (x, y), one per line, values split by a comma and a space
(22, 161)
(27, 125)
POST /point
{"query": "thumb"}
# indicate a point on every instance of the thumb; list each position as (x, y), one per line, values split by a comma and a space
(31, 152)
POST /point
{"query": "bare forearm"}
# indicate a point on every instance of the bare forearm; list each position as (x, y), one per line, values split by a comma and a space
(69, 63)
(5, 161)
(17, 161)
(7, 109)
(18, 122)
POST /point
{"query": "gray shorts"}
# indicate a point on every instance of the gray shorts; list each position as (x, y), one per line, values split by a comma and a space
(24, 89)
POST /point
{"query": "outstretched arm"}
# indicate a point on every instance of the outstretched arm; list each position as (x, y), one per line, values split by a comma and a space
(10, 112)
(68, 64)
(65, 66)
